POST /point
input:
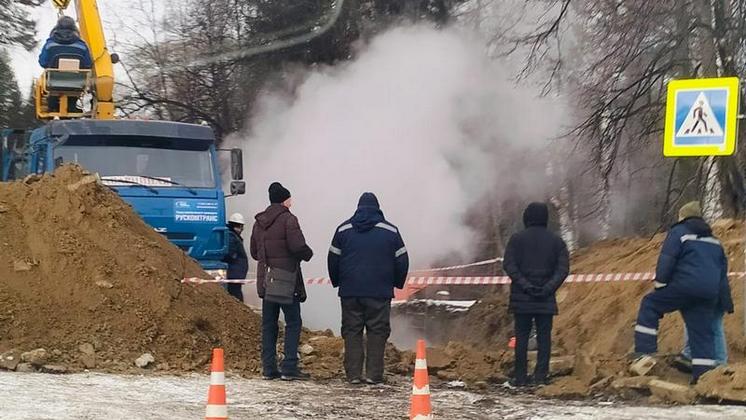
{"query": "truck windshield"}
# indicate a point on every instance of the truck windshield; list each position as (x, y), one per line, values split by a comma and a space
(157, 167)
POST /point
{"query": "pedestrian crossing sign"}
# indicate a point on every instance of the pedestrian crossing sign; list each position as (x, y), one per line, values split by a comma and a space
(701, 117)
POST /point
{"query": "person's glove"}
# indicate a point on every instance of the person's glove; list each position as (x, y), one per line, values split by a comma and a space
(534, 291)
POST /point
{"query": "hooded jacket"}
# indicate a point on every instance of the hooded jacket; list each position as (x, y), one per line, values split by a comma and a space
(367, 257)
(277, 241)
(693, 261)
(64, 42)
(537, 262)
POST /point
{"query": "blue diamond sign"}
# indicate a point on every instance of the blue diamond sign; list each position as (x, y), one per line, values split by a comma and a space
(701, 117)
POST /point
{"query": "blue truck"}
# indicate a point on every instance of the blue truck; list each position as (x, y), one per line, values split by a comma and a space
(167, 171)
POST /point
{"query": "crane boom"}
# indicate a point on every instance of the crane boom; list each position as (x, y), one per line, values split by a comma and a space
(92, 32)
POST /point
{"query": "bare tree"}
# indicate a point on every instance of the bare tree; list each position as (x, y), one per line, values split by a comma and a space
(615, 58)
(16, 26)
(208, 61)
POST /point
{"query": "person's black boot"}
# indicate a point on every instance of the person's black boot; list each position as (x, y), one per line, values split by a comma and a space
(540, 380)
(295, 376)
(683, 363)
(518, 383)
(271, 376)
(377, 381)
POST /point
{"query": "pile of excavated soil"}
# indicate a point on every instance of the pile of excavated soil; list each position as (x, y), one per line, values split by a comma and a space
(595, 376)
(726, 383)
(459, 362)
(598, 318)
(82, 276)
(322, 355)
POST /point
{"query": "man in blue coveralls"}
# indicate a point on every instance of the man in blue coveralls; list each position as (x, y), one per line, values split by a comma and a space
(691, 275)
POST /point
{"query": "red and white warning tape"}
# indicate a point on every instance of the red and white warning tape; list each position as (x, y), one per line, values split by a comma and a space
(426, 281)
(455, 267)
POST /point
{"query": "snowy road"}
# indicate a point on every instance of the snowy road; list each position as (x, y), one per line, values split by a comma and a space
(112, 397)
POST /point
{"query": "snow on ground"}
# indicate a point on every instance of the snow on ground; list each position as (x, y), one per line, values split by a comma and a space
(450, 305)
(112, 397)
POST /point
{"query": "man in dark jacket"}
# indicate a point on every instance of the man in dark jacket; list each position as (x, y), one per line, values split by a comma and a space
(64, 42)
(537, 262)
(238, 262)
(691, 277)
(277, 242)
(367, 259)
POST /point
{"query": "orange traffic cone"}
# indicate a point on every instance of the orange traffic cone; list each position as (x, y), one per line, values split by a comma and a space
(216, 407)
(420, 408)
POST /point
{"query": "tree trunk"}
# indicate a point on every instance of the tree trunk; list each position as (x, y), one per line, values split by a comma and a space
(566, 221)
(560, 199)
(712, 207)
(712, 200)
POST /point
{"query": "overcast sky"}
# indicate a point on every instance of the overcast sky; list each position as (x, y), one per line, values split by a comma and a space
(25, 63)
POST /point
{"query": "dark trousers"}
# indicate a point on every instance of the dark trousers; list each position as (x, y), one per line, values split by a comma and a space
(53, 104)
(698, 316)
(293, 323)
(374, 316)
(523, 324)
(235, 291)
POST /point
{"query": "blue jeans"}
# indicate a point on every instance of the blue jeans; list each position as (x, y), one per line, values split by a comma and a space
(293, 323)
(721, 345)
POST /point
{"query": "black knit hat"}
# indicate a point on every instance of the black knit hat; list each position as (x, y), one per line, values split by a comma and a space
(277, 193)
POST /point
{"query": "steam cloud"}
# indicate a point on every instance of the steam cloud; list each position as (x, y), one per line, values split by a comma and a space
(422, 118)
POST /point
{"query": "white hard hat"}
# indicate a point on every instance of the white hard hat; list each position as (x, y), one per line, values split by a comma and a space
(237, 218)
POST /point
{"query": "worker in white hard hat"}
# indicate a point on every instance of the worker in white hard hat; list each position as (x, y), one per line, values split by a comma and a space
(238, 262)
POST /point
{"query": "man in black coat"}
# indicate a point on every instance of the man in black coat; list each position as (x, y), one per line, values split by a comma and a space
(238, 261)
(537, 262)
(367, 259)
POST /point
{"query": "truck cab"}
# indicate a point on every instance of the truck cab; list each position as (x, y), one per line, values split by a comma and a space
(167, 171)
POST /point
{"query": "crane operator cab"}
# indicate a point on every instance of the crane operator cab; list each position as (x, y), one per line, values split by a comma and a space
(67, 63)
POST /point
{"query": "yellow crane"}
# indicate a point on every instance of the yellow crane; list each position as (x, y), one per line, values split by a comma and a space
(68, 80)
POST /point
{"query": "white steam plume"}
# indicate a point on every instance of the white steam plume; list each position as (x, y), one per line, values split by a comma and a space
(421, 117)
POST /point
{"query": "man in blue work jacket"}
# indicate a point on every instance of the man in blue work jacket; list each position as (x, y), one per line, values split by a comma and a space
(64, 42)
(691, 277)
(367, 259)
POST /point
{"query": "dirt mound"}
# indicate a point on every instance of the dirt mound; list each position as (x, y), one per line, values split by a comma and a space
(322, 355)
(82, 276)
(459, 362)
(598, 318)
(726, 383)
